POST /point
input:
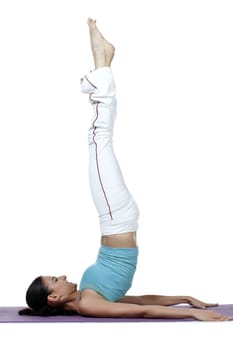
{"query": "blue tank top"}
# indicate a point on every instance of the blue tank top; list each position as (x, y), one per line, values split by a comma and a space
(112, 274)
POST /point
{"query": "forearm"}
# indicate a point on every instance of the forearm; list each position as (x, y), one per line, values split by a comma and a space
(163, 300)
(157, 311)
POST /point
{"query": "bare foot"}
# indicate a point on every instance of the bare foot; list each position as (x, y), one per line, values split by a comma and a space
(103, 51)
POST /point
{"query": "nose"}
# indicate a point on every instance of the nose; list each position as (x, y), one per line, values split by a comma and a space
(63, 277)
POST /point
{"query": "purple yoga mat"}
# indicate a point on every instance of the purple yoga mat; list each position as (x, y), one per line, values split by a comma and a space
(10, 315)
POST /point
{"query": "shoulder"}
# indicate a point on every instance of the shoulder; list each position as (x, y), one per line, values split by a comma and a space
(88, 300)
(88, 295)
(93, 304)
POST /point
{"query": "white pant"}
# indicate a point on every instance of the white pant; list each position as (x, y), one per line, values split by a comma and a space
(118, 212)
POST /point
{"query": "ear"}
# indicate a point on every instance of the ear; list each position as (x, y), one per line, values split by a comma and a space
(54, 299)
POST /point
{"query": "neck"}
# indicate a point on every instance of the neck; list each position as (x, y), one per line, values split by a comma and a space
(73, 303)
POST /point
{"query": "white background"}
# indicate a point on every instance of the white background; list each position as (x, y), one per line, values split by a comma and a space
(173, 139)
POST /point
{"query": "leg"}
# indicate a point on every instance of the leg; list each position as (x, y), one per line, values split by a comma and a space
(117, 210)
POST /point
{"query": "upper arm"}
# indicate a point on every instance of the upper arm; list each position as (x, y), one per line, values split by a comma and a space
(95, 305)
(130, 299)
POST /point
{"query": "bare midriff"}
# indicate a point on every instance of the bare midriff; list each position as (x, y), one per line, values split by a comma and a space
(120, 240)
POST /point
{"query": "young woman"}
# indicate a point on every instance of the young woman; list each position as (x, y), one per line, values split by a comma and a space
(103, 287)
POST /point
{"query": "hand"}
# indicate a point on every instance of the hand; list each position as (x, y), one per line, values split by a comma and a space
(207, 315)
(199, 304)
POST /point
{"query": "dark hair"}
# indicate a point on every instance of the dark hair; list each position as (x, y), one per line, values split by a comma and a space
(36, 298)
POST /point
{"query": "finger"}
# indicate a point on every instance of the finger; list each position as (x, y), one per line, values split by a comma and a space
(204, 305)
(223, 317)
(198, 304)
(226, 318)
(211, 305)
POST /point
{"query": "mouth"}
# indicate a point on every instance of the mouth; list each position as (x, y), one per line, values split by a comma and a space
(73, 284)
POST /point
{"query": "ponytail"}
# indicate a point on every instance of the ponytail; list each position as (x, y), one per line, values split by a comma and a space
(47, 311)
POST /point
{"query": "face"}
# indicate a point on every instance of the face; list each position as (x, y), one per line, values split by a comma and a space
(59, 287)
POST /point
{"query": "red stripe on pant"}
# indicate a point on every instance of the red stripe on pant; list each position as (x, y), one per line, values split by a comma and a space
(97, 161)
